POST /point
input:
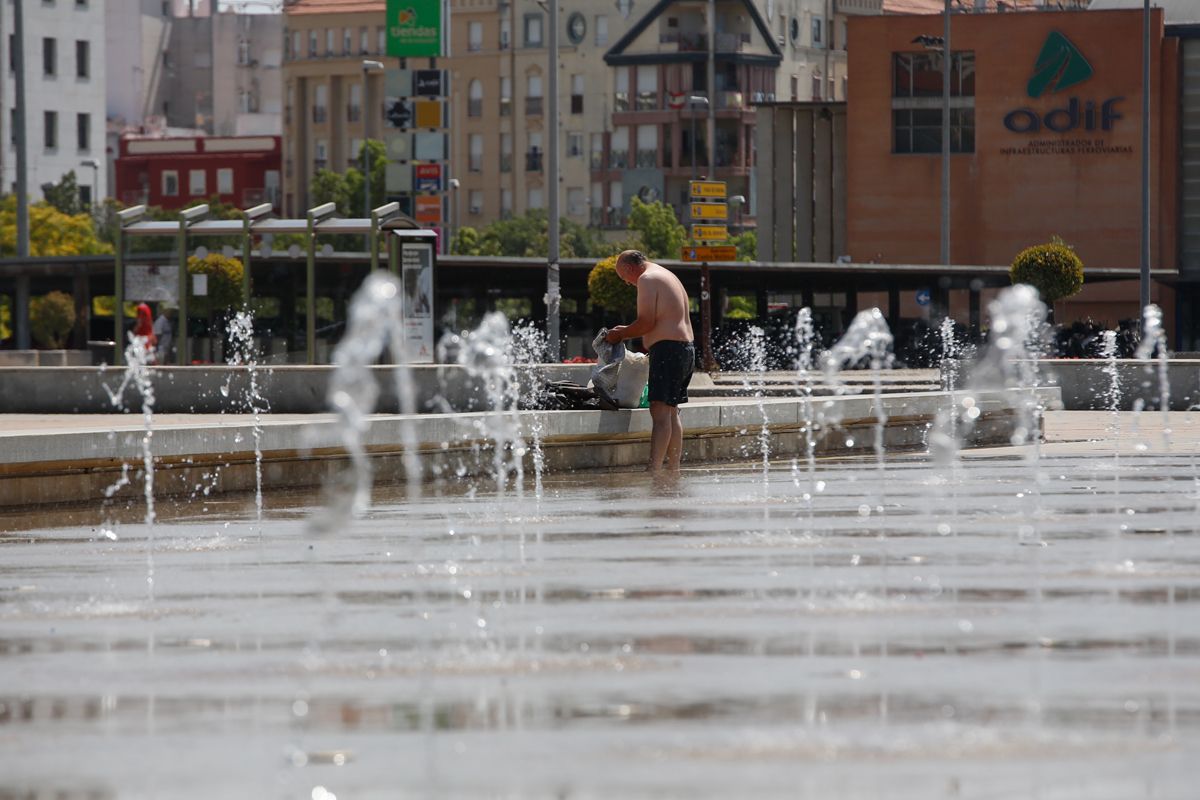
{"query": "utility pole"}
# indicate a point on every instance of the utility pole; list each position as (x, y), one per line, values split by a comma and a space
(553, 283)
(947, 59)
(1145, 259)
(712, 89)
(21, 311)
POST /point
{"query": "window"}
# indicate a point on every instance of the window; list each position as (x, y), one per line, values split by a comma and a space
(475, 152)
(12, 126)
(381, 40)
(475, 98)
(916, 119)
(816, 31)
(330, 33)
(621, 94)
(82, 60)
(355, 150)
(505, 33)
(535, 198)
(577, 94)
(474, 37)
(576, 201)
(597, 201)
(475, 199)
(533, 95)
(296, 44)
(506, 203)
(533, 30)
(320, 154)
(225, 180)
(574, 145)
(364, 40)
(506, 152)
(348, 42)
(197, 184)
(817, 85)
(170, 183)
(83, 132)
(354, 107)
(505, 95)
(533, 158)
(85, 195)
(601, 30)
(618, 156)
(647, 145)
(243, 51)
(647, 87)
(616, 198)
(50, 130)
(596, 159)
(320, 102)
(312, 44)
(12, 56)
(49, 57)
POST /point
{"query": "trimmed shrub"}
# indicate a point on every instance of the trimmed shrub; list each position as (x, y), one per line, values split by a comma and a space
(224, 282)
(608, 291)
(1053, 269)
(51, 318)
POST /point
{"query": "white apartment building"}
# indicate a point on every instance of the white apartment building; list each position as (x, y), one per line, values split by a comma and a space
(65, 81)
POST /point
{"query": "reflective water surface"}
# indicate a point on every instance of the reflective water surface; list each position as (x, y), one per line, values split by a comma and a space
(994, 629)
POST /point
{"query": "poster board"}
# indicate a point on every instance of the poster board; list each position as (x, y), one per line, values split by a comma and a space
(416, 270)
(152, 283)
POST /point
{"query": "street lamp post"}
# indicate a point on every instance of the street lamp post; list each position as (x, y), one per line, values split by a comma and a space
(95, 165)
(693, 101)
(453, 185)
(368, 66)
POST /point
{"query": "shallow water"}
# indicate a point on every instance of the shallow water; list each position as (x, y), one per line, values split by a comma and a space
(976, 635)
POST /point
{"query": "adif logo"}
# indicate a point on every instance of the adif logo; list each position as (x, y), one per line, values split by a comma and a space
(1059, 66)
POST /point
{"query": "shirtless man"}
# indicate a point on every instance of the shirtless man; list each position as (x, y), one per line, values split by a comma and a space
(666, 330)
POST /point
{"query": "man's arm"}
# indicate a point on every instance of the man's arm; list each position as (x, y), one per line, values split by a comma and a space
(647, 305)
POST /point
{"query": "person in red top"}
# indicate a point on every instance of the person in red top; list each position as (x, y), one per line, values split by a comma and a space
(144, 327)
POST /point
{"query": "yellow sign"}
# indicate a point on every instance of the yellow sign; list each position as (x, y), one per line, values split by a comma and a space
(708, 189)
(712, 253)
(710, 233)
(710, 211)
(428, 113)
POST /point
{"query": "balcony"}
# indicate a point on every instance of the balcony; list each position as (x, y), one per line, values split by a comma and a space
(647, 159)
(597, 160)
(353, 113)
(319, 114)
(505, 106)
(618, 159)
(533, 161)
(533, 106)
(620, 101)
(698, 42)
(647, 101)
(576, 104)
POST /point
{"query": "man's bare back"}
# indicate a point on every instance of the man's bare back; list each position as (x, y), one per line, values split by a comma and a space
(662, 295)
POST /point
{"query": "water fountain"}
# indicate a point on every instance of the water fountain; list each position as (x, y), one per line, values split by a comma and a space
(682, 642)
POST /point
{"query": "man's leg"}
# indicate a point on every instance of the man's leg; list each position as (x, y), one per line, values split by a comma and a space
(660, 433)
(675, 448)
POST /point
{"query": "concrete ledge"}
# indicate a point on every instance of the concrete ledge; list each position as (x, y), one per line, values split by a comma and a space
(1085, 384)
(74, 462)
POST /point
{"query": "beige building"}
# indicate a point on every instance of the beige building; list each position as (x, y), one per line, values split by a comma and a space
(623, 67)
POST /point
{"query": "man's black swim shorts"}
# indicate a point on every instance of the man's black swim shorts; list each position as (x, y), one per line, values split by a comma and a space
(671, 365)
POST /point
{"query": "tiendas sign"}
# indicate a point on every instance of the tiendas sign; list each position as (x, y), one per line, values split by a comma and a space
(1060, 66)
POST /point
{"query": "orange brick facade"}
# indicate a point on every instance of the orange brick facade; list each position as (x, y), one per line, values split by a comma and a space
(1017, 188)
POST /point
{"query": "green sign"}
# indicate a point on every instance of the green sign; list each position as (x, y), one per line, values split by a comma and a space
(414, 28)
(1059, 66)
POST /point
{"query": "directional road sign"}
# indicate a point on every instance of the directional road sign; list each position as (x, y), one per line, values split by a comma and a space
(710, 211)
(712, 253)
(710, 189)
(710, 233)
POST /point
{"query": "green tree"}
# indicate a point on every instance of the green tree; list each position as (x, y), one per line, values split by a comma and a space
(1053, 269)
(331, 187)
(224, 282)
(746, 243)
(608, 291)
(51, 232)
(657, 228)
(6, 319)
(465, 242)
(64, 195)
(51, 318)
(378, 161)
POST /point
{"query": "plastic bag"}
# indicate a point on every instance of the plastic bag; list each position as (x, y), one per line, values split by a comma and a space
(631, 379)
(619, 375)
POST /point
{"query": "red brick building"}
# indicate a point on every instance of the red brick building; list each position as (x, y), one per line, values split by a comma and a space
(181, 171)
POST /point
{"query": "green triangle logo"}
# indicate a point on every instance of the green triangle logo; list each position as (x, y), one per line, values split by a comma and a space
(1059, 66)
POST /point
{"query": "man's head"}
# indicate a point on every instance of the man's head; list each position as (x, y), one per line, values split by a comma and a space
(630, 265)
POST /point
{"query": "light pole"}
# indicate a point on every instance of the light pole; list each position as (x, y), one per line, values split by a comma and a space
(693, 101)
(95, 165)
(553, 278)
(1145, 254)
(947, 59)
(368, 66)
(453, 185)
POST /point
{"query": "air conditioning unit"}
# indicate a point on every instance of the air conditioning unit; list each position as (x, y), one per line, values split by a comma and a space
(779, 40)
(476, 209)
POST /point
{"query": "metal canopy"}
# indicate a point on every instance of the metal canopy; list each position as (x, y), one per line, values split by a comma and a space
(193, 222)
